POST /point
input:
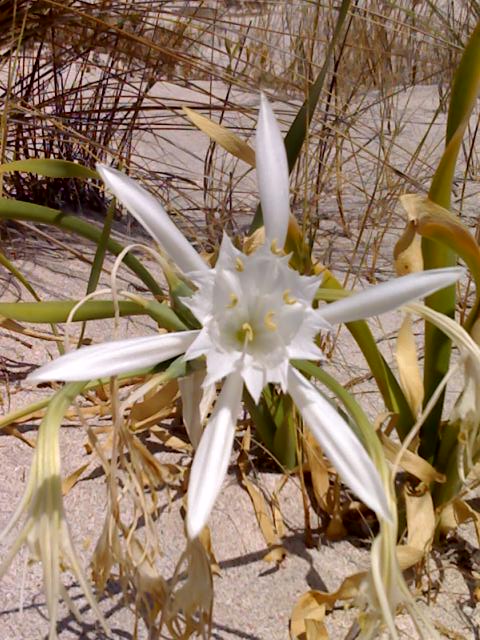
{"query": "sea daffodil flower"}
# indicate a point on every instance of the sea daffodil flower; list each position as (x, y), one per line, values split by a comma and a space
(256, 315)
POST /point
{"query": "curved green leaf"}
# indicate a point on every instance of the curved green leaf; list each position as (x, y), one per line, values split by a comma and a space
(19, 210)
(465, 89)
(51, 168)
(387, 383)
(58, 311)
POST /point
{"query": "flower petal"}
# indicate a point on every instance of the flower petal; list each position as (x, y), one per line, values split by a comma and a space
(389, 295)
(339, 442)
(150, 213)
(211, 460)
(113, 358)
(197, 401)
(272, 175)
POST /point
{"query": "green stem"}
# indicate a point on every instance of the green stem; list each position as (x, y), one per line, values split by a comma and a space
(18, 210)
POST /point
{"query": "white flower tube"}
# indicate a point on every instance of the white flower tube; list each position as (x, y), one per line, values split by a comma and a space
(114, 358)
(339, 443)
(211, 460)
(389, 295)
(272, 175)
(153, 217)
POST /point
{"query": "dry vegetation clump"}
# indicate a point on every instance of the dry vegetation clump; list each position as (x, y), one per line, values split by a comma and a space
(83, 81)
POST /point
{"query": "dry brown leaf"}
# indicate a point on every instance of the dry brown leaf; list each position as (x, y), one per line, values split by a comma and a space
(277, 513)
(420, 520)
(456, 513)
(206, 540)
(156, 406)
(410, 461)
(16, 327)
(276, 553)
(222, 136)
(255, 241)
(156, 472)
(315, 630)
(70, 481)
(408, 252)
(172, 442)
(408, 556)
(308, 607)
(10, 430)
(318, 470)
(312, 605)
(411, 379)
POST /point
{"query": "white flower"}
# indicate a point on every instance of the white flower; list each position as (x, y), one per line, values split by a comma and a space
(257, 315)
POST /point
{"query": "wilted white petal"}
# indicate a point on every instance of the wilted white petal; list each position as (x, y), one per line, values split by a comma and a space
(272, 175)
(389, 295)
(151, 215)
(211, 460)
(339, 442)
(114, 358)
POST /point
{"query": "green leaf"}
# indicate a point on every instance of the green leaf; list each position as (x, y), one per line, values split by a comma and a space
(51, 168)
(285, 439)
(465, 89)
(265, 426)
(99, 257)
(58, 311)
(387, 383)
(18, 210)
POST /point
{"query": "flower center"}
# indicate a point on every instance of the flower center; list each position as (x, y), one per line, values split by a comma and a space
(245, 333)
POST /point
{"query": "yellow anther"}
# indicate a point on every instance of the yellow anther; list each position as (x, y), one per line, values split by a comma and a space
(268, 321)
(287, 298)
(245, 334)
(274, 248)
(233, 301)
(239, 266)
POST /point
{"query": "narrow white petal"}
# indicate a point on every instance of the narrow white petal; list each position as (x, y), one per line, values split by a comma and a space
(211, 460)
(150, 213)
(339, 443)
(114, 358)
(272, 175)
(389, 295)
(197, 401)
(221, 364)
(255, 380)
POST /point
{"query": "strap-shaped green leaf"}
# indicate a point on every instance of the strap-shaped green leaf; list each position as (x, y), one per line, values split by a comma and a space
(19, 210)
(465, 89)
(51, 168)
(58, 311)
